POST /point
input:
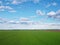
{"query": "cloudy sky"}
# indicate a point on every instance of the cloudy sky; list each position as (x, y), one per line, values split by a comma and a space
(29, 14)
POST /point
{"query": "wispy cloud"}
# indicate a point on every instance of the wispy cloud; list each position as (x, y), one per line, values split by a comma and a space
(22, 1)
(51, 4)
(16, 2)
(13, 22)
(36, 1)
(4, 7)
(39, 12)
(34, 16)
(1, 3)
(10, 9)
(54, 4)
(58, 12)
(2, 20)
(24, 19)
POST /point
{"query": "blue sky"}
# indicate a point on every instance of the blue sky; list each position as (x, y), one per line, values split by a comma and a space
(29, 11)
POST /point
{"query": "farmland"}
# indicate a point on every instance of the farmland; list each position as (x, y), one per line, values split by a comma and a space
(29, 37)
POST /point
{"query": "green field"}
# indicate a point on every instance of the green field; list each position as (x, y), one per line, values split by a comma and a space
(29, 37)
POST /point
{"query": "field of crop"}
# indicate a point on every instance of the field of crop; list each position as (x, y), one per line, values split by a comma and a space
(29, 37)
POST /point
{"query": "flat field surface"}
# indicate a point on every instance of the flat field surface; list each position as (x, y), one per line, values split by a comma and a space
(29, 37)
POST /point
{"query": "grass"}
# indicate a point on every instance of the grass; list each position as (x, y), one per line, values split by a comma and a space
(29, 37)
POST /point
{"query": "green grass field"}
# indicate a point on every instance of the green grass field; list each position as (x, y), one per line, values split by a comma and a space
(29, 37)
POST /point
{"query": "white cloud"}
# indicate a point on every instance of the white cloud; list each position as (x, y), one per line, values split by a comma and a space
(3, 20)
(1, 10)
(58, 15)
(27, 21)
(34, 16)
(55, 15)
(19, 26)
(18, 1)
(27, 25)
(48, 5)
(51, 4)
(0, 2)
(22, 1)
(58, 12)
(5, 7)
(36, 1)
(15, 2)
(24, 19)
(39, 12)
(2, 7)
(54, 4)
(13, 22)
(52, 13)
(10, 9)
